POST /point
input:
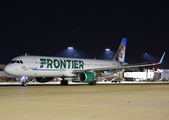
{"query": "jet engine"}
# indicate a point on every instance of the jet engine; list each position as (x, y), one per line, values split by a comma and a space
(86, 77)
(43, 79)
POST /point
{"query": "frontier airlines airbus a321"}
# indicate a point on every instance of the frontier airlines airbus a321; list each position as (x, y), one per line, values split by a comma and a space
(45, 68)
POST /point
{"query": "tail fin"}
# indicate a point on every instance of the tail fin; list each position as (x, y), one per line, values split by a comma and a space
(120, 55)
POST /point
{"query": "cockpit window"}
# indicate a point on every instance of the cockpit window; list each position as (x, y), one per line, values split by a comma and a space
(17, 61)
(21, 61)
(13, 61)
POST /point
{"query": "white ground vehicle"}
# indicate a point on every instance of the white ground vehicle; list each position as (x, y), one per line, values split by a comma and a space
(116, 80)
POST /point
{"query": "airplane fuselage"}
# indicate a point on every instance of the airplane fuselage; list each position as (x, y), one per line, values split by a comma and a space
(44, 66)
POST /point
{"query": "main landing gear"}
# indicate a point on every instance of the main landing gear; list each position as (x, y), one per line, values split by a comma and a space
(93, 82)
(64, 82)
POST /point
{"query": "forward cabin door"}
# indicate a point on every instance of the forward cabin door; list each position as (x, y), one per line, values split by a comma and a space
(32, 65)
(31, 62)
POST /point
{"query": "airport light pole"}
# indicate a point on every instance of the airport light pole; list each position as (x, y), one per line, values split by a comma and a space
(107, 49)
(70, 48)
(144, 58)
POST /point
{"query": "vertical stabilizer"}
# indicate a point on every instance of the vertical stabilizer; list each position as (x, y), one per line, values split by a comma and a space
(120, 54)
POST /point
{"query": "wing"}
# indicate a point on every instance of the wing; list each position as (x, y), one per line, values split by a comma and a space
(120, 67)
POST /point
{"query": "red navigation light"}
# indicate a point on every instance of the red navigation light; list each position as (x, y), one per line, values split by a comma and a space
(154, 64)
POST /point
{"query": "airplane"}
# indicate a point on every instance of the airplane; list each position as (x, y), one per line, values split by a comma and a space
(45, 68)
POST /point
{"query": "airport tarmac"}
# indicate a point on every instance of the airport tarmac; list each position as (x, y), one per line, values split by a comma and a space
(126, 101)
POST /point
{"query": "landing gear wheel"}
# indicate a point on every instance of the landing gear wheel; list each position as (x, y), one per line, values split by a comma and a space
(93, 82)
(24, 84)
(64, 82)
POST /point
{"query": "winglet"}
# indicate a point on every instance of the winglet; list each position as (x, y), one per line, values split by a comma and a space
(161, 60)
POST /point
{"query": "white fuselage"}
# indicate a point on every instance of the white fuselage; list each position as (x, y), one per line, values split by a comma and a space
(43, 66)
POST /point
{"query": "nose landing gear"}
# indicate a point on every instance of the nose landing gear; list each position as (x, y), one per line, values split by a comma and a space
(23, 81)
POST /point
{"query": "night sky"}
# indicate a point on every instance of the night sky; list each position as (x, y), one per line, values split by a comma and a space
(49, 27)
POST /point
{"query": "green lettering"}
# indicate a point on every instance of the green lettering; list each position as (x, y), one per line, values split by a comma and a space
(49, 63)
(72, 64)
(81, 63)
(63, 63)
(69, 63)
(56, 65)
(75, 64)
(43, 62)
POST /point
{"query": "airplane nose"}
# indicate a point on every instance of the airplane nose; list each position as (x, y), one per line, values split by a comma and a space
(7, 69)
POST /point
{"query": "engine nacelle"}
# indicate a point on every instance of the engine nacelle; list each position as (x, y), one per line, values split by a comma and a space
(86, 76)
(43, 79)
